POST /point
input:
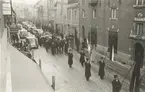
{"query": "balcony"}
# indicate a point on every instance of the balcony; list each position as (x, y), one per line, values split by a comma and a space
(139, 6)
(133, 35)
(93, 2)
(139, 19)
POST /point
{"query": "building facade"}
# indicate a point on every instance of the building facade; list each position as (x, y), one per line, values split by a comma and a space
(51, 9)
(39, 13)
(61, 16)
(42, 11)
(137, 34)
(73, 17)
(105, 16)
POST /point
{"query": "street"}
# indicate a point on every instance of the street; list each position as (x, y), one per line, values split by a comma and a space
(70, 80)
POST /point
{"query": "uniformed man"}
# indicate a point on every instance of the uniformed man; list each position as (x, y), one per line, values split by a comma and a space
(70, 58)
(116, 85)
(101, 68)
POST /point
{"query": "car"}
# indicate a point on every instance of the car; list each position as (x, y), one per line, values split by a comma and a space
(23, 33)
(33, 42)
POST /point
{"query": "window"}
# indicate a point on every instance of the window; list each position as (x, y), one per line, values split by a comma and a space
(75, 14)
(94, 13)
(139, 28)
(113, 13)
(83, 13)
(69, 14)
(140, 2)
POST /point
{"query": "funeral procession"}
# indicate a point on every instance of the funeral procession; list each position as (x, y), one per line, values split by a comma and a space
(72, 45)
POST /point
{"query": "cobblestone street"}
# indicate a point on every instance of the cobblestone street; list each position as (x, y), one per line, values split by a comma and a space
(71, 80)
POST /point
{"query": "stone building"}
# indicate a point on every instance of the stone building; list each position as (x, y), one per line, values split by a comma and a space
(61, 16)
(73, 17)
(107, 17)
(137, 34)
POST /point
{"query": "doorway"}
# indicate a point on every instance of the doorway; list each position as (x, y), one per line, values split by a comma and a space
(139, 50)
(113, 44)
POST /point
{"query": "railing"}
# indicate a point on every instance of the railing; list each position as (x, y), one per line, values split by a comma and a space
(139, 19)
(134, 35)
(139, 6)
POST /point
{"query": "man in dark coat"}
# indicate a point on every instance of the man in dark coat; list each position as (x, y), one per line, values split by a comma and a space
(101, 68)
(70, 58)
(53, 47)
(135, 80)
(82, 57)
(116, 85)
(84, 43)
(66, 46)
(87, 69)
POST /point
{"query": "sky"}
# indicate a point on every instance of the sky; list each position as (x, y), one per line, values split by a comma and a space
(25, 1)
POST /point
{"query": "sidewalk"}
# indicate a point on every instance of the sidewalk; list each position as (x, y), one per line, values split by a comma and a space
(72, 80)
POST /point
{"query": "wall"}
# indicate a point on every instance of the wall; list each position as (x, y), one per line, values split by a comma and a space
(84, 21)
(124, 22)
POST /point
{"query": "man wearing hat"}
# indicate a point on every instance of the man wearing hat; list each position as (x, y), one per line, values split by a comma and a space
(87, 69)
(101, 68)
(70, 58)
(82, 57)
(116, 85)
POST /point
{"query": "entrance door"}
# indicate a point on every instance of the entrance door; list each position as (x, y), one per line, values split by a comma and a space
(113, 44)
(139, 53)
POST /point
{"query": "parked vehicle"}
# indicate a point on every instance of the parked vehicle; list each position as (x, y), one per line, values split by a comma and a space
(23, 33)
(33, 42)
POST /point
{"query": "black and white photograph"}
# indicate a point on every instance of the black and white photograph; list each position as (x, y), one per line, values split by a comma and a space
(72, 45)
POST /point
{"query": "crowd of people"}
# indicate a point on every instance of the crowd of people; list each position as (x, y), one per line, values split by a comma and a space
(62, 45)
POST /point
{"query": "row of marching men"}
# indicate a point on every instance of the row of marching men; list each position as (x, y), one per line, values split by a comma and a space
(57, 46)
(85, 62)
